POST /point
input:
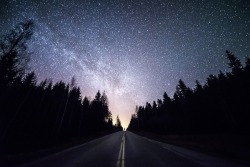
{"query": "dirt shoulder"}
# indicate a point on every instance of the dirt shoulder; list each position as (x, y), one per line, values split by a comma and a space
(226, 145)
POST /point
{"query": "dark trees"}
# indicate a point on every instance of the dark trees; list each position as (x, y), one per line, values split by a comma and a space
(234, 63)
(33, 116)
(221, 105)
(13, 54)
(118, 125)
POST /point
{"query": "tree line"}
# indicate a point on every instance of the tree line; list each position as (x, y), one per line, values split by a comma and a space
(36, 115)
(221, 105)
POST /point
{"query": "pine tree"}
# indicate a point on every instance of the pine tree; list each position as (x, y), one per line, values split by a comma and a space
(8, 69)
(118, 124)
(198, 88)
(182, 91)
(234, 63)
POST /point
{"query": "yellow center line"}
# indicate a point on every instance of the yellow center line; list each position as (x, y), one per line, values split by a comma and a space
(121, 156)
(123, 152)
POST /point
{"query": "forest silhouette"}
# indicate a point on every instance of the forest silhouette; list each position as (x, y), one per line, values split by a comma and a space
(40, 115)
(221, 105)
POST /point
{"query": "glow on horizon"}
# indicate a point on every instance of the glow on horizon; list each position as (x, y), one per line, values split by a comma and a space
(132, 50)
(121, 91)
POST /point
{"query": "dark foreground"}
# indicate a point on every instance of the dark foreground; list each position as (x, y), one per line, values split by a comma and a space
(128, 149)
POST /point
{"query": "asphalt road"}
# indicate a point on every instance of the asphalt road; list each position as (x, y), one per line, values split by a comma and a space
(126, 149)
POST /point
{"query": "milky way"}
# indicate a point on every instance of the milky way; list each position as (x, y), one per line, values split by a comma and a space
(133, 50)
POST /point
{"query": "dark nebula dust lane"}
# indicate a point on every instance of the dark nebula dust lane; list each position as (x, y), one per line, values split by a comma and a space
(134, 50)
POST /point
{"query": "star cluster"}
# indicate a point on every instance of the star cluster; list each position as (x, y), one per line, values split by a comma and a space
(133, 50)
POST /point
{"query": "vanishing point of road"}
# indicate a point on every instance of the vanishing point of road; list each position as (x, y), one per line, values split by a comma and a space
(126, 149)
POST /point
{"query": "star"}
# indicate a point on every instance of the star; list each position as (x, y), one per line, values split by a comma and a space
(132, 50)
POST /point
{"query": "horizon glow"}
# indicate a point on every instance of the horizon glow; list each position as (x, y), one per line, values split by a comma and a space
(132, 50)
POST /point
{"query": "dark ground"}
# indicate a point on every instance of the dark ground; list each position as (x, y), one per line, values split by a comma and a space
(15, 159)
(126, 149)
(234, 146)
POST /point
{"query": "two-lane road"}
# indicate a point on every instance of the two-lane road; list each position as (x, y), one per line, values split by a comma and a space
(125, 149)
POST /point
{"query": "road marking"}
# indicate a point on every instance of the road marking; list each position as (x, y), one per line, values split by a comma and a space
(123, 152)
(121, 156)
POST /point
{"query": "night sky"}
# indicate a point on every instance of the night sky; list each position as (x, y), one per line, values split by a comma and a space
(134, 50)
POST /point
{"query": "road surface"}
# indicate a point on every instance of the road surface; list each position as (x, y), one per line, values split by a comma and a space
(126, 149)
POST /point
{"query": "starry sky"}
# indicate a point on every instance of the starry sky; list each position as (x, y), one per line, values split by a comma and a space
(134, 50)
